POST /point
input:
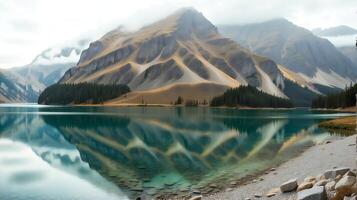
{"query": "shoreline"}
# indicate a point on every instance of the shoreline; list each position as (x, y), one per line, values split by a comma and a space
(347, 110)
(314, 160)
(174, 106)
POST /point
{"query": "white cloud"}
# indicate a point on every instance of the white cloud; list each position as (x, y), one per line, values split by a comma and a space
(30, 26)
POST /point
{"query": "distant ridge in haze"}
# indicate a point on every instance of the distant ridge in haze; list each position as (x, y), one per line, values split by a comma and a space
(314, 58)
(335, 31)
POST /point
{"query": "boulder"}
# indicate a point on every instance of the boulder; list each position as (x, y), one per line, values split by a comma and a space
(289, 186)
(315, 193)
(305, 185)
(330, 186)
(320, 177)
(346, 181)
(341, 171)
(338, 177)
(321, 182)
(309, 179)
(333, 173)
(350, 173)
(197, 197)
(330, 174)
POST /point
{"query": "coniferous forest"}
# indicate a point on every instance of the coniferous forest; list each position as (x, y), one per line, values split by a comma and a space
(251, 97)
(343, 99)
(62, 94)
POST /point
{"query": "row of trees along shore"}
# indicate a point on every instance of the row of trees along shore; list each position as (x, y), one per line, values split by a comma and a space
(62, 94)
(251, 97)
(343, 99)
(243, 96)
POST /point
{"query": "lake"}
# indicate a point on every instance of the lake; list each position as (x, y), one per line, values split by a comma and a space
(54, 152)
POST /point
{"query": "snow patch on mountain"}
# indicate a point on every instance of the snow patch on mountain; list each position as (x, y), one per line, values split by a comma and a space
(331, 79)
(268, 86)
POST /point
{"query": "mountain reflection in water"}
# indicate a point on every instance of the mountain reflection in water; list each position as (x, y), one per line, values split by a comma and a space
(126, 152)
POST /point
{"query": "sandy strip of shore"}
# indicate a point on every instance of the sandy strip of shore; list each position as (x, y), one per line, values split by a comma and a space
(314, 161)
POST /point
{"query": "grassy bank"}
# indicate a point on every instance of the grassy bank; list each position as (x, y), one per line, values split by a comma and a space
(345, 125)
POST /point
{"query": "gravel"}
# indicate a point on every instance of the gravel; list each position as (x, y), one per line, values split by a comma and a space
(315, 160)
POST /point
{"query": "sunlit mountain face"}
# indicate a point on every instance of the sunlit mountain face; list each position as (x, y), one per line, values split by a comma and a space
(120, 153)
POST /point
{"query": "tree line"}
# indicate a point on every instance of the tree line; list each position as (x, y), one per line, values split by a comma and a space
(251, 97)
(345, 98)
(63, 94)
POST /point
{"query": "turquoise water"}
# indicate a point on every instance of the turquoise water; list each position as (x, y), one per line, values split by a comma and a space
(121, 153)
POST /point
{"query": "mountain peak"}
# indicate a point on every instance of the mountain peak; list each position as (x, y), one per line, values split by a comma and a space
(185, 22)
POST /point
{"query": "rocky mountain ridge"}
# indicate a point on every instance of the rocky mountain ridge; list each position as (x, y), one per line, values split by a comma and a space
(314, 58)
(183, 50)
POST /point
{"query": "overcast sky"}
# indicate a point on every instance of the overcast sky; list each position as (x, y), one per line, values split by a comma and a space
(30, 26)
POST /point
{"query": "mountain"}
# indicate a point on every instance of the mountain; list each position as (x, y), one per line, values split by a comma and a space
(350, 52)
(46, 69)
(11, 91)
(335, 31)
(180, 55)
(313, 58)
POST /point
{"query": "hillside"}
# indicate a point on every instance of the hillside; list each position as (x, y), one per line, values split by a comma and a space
(183, 50)
(298, 49)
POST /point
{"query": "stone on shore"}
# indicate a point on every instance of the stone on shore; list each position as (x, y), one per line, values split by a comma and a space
(271, 194)
(350, 173)
(342, 171)
(310, 179)
(330, 186)
(229, 189)
(333, 173)
(329, 174)
(346, 181)
(258, 196)
(321, 182)
(305, 185)
(197, 197)
(315, 193)
(289, 186)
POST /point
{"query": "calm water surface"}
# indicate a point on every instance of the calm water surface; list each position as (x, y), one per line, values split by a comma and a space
(121, 153)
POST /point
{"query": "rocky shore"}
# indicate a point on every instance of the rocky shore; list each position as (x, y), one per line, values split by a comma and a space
(325, 171)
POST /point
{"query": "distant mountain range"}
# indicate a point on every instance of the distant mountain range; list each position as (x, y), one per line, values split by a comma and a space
(314, 59)
(47, 68)
(335, 31)
(181, 55)
(185, 55)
